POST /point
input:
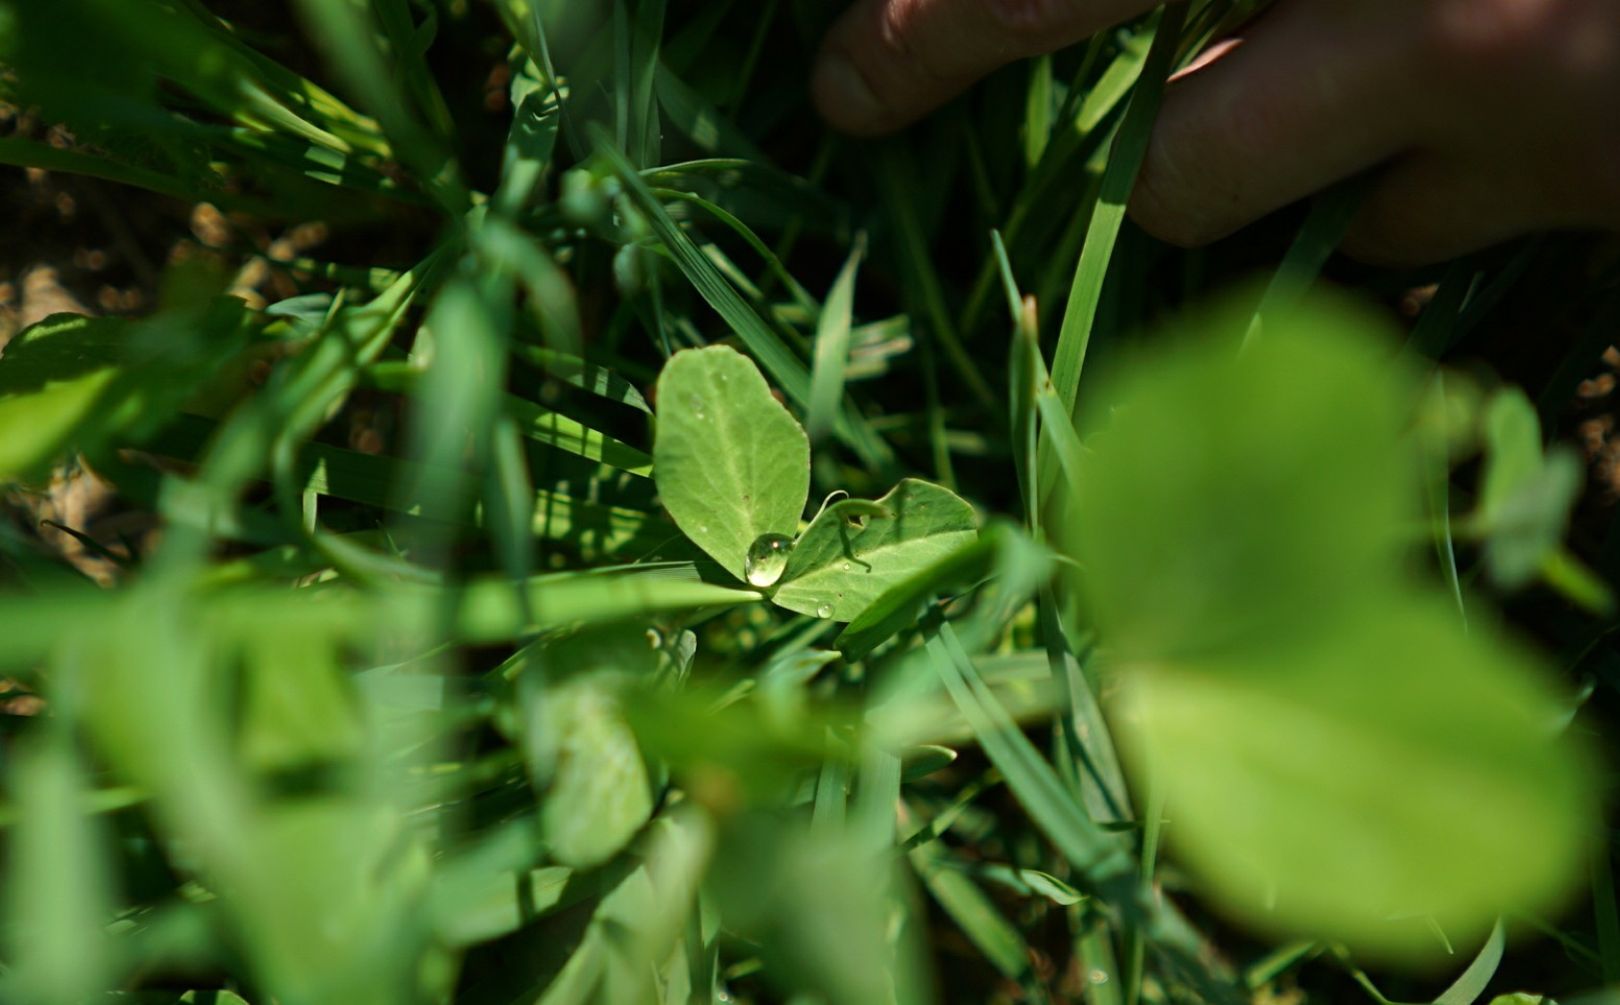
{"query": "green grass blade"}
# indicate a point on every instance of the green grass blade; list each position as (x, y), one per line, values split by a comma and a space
(777, 359)
(1125, 160)
(488, 611)
(1100, 857)
(976, 914)
(832, 349)
(646, 34)
(1471, 983)
(1328, 221)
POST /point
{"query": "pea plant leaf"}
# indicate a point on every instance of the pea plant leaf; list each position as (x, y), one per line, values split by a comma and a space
(1242, 524)
(840, 566)
(730, 462)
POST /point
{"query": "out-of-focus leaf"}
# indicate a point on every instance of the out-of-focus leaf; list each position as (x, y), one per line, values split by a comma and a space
(638, 925)
(1330, 786)
(1526, 497)
(295, 710)
(72, 382)
(490, 611)
(41, 426)
(818, 905)
(599, 793)
(57, 890)
(1282, 681)
(1232, 496)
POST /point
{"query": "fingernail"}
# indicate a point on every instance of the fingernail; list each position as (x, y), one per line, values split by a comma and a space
(843, 95)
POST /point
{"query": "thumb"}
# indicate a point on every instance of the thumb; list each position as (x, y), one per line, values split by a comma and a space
(886, 63)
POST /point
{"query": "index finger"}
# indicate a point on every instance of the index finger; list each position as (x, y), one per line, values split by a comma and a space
(886, 63)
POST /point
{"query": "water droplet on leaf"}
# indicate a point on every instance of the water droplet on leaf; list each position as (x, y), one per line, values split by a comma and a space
(846, 566)
(767, 559)
(824, 611)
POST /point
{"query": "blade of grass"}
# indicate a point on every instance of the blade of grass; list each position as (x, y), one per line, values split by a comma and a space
(1125, 160)
(774, 356)
(832, 348)
(646, 34)
(1324, 228)
(1100, 857)
(894, 172)
(1038, 110)
(976, 915)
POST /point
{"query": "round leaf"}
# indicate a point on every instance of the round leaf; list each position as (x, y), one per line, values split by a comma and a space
(1233, 493)
(731, 463)
(600, 794)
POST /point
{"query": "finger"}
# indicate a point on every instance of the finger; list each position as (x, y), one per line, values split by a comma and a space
(1428, 208)
(1315, 91)
(888, 62)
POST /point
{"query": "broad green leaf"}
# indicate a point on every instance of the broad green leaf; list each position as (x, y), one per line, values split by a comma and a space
(839, 567)
(314, 882)
(1336, 786)
(600, 793)
(897, 608)
(1230, 495)
(1526, 497)
(731, 463)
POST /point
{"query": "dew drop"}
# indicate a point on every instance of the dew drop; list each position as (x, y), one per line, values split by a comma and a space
(846, 567)
(767, 559)
(824, 611)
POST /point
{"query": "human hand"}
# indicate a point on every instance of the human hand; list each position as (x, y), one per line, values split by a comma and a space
(1489, 118)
